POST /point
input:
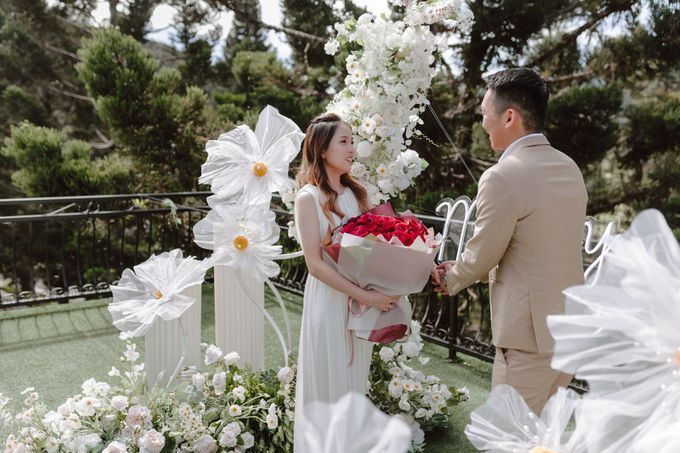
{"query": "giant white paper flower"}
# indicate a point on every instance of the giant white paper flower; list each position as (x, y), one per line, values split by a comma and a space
(242, 237)
(352, 424)
(506, 424)
(621, 333)
(153, 290)
(253, 163)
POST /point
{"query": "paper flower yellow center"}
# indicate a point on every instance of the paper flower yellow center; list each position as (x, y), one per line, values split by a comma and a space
(158, 294)
(259, 169)
(541, 450)
(240, 243)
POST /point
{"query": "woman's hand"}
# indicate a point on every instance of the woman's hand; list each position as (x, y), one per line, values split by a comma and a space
(381, 301)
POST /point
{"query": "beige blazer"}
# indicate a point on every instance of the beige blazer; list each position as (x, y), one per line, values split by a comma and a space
(531, 209)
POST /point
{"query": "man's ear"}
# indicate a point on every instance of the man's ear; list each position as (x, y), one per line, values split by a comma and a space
(512, 117)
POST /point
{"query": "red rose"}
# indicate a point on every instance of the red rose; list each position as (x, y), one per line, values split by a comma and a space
(406, 228)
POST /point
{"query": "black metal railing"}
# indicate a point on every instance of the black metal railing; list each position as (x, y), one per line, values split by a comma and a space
(58, 249)
(82, 244)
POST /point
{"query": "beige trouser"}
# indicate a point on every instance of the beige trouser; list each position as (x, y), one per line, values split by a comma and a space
(530, 374)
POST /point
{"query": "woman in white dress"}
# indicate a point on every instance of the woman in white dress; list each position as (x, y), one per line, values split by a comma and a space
(329, 197)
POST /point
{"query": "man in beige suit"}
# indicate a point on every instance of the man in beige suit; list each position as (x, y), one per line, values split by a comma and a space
(531, 207)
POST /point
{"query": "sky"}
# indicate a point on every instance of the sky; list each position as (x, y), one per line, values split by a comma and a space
(271, 14)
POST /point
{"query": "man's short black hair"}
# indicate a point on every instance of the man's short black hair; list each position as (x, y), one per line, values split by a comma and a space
(524, 90)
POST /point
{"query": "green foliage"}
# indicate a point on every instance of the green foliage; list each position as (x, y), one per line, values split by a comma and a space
(297, 16)
(644, 53)
(197, 68)
(155, 118)
(566, 61)
(264, 80)
(158, 122)
(653, 127)
(230, 106)
(245, 35)
(251, 69)
(17, 104)
(582, 122)
(51, 165)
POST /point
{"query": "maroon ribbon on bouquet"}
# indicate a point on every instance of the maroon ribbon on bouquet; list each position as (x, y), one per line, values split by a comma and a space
(385, 335)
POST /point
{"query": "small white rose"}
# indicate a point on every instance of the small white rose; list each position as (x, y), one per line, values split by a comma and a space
(205, 444)
(234, 428)
(119, 402)
(219, 382)
(138, 416)
(272, 421)
(228, 439)
(286, 375)
(198, 379)
(212, 354)
(248, 440)
(87, 406)
(151, 442)
(115, 447)
(364, 149)
(395, 388)
(404, 405)
(386, 353)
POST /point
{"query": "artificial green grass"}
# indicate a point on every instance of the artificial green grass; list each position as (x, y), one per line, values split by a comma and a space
(56, 347)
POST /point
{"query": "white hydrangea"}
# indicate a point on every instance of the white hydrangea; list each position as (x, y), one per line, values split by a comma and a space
(233, 358)
(331, 47)
(239, 393)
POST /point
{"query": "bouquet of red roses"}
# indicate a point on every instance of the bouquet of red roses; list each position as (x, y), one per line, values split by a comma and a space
(389, 253)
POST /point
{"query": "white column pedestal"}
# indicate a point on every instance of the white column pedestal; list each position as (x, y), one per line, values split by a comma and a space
(239, 324)
(163, 344)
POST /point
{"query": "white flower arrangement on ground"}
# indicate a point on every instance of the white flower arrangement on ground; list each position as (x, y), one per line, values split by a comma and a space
(222, 407)
(225, 408)
(397, 388)
(390, 68)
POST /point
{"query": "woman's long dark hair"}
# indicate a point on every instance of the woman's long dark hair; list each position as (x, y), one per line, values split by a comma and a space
(312, 170)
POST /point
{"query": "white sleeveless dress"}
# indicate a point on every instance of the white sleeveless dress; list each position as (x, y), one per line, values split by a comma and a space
(325, 351)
